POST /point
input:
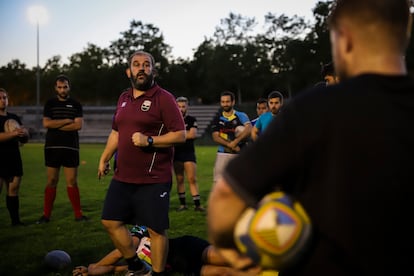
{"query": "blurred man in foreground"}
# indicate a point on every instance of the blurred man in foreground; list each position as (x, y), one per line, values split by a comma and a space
(344, 151)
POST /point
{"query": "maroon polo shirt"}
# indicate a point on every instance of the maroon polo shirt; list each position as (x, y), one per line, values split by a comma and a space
(153, 113)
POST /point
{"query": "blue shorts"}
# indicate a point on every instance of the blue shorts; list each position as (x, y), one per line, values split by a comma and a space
(61, 157)
(138, 204)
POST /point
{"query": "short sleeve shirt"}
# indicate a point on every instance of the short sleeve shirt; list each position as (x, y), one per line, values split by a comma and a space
(154, 113)
(11, 162)
(264, 120)
(188, 145)
(55, 110)
(226, 126)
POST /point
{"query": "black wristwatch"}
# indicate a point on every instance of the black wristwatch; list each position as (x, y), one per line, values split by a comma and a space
(150, 141)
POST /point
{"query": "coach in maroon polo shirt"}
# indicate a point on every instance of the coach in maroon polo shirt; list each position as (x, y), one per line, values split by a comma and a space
(147, 123)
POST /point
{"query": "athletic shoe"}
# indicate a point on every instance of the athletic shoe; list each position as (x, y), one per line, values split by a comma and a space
(199, 209)
(182, 208)
(43, 220)
(82, 218)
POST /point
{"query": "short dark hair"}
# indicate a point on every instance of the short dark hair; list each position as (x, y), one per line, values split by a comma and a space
(275, 94)
(228, 93)
(261, 101)
(141, 53)
(393, 17)
(62, 78)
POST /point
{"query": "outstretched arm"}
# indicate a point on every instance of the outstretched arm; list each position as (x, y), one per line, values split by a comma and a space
(106, 265)
(111, 262)
(216, 265)
(110, 148)
(221, 224)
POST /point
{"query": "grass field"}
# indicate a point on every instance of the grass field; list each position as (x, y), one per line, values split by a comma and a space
(23, 248)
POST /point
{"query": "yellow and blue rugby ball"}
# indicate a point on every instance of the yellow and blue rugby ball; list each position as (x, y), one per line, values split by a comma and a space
(276, 233)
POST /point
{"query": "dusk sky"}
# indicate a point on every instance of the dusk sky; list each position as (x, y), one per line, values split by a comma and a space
(71, 24)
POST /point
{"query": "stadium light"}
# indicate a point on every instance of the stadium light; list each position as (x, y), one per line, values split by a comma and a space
(38, 16)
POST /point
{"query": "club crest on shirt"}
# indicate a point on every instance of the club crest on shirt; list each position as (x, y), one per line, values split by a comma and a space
(146, 105)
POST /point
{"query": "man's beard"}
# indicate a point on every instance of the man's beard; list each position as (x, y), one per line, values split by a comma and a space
(144, 86)
(274, 110)
(63, 96)
(227, 108)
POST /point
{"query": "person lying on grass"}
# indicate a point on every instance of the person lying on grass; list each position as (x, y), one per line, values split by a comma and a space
(188, 255)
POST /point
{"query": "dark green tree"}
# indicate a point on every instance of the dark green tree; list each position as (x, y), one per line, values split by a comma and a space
(286, 49)
(87, 71)
(19, 82)
(230, 61)
(140, 36)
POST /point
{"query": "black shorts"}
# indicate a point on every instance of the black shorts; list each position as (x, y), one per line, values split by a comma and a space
(58, 157)
(138, 204)
(11, 166)
(185, 156)
(185, 254)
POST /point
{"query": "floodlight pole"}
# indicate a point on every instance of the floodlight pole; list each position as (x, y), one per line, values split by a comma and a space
(38, 83)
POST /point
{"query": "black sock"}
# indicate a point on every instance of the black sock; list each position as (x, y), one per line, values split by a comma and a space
(196, 200)
(181, 197)
(12, 203)
(134, 263)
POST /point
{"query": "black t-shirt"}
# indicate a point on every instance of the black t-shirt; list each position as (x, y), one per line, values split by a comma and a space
(55, 110)
(10, 161)
(12, 144)
(347, 153)
(188, 145)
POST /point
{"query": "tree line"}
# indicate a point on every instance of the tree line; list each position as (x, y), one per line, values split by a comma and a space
(286, 56)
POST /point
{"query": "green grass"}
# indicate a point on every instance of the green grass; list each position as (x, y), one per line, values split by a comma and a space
(23, 248)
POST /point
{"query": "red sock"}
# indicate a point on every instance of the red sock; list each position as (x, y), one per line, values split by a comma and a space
(50, 195)
(73, 193)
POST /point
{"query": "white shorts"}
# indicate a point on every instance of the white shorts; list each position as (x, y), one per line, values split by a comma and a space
(222, 159)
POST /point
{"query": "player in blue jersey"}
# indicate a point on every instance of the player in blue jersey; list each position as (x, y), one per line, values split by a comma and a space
(261, 107)
(226, 134)
(275, 103)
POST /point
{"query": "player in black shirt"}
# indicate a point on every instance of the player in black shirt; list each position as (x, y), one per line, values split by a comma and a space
(185, 159)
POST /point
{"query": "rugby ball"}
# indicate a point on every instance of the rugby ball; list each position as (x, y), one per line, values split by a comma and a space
(11, 125)
(238, 130)
(276, 234)
(58, 259)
